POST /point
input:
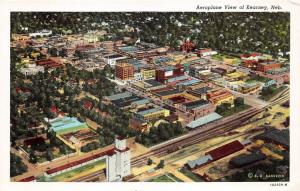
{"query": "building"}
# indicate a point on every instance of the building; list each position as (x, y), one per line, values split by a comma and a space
(225, 150)
(198, 108)
(163, 74)
(112, 59)
(203, 120)
(62, 125)
(124, 71)
(28, 179)
(246, 159)
(108, 45)
(118, 96)
(220, 96)
(277, 137)
(48, 63)
(235, 76)
(206, 52)
(148, 85)
(200, 92)
(20, 37)
(152, 113)
(32, 69)
(138, 76)
(195, 164)
(269, 65)
(148, 73)
(42, 33)
(118, 163)
(246, 88)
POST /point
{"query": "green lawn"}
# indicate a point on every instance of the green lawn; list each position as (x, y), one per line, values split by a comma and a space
(234, 110)
(191, 175)
(166, 178)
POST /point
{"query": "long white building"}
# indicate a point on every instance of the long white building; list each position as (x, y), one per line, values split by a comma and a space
(41, 33)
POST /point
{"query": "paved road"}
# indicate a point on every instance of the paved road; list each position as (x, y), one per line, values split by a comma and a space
(251, 100)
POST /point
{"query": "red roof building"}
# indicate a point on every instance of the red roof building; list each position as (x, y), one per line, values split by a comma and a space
(88, 105)
(75, 163)
(28, 179)
(254, 54)
(33, 141)
(163, 74)
(269, 65)
(225, 150)
(48, 63)
(54, 109)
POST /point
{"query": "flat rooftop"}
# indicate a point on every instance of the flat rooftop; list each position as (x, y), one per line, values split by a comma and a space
(66, 124)
(119, 96)
(148, 111)
(204, 120)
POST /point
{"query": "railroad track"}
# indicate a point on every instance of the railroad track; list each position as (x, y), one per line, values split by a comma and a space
(196, 138)
(193, 138)
(94, 177)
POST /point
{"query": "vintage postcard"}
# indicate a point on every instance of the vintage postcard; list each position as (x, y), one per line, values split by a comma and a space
(140, 96)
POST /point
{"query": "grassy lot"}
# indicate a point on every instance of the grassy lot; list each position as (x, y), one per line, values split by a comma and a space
(218, 57)
(67, 175)
(234, 110)
(191, 175)
(166, 178)
(271, 95)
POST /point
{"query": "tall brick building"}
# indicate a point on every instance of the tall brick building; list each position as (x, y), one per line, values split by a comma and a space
(124, 71)
(270, 65)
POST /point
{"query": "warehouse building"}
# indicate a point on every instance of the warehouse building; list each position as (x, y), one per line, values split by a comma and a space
(195, 164)
(198, 108)
(279, 137)
(203, 120)
(225, 150)
(246, 159)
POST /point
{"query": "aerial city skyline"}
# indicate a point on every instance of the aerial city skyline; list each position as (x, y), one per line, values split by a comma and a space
(149, 97)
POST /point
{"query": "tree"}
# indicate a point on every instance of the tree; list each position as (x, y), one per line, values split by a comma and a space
(49, 155)
(150, 161)
(53, 52)
(161, 164)
(222, 108)
(239, 101)
(63, 149)
(63, 52)
(32, 157)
